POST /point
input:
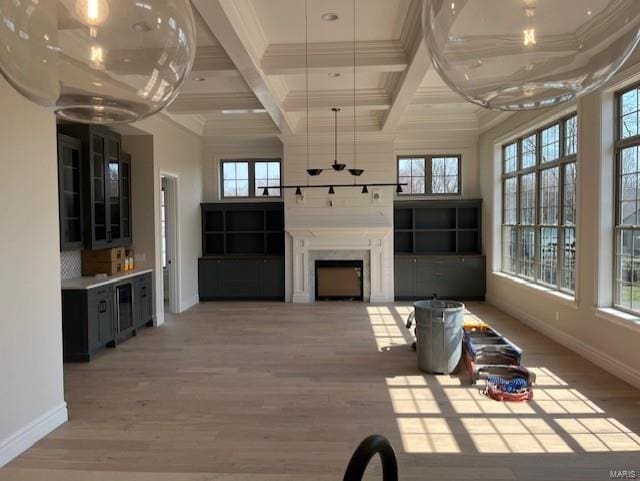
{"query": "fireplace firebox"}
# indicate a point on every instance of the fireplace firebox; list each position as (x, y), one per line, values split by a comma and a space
(339, 280)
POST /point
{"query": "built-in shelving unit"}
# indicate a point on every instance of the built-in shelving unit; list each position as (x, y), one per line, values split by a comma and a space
(438, 227)
(242, 251)
(438, 249)
(237, 229)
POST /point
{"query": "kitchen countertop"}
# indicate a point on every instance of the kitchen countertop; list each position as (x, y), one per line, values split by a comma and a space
(79, 283)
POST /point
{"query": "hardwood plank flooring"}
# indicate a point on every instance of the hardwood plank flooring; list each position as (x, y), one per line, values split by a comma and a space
(281, 392)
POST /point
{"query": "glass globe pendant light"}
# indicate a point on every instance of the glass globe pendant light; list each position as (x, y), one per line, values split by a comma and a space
(528, 54)
(97, 61)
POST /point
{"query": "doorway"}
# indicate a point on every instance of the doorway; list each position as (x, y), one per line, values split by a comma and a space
(169, 242)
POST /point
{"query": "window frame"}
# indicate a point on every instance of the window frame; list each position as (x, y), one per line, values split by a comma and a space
(252, 178)
(619, 146)
(561, 226)
(428, 175)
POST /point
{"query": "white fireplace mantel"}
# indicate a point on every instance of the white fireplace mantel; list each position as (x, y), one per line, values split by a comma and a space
(377, 240)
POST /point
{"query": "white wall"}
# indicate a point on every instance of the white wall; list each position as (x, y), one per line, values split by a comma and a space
(240, 150)
(31, 378)
(178, 152)
(581, 324)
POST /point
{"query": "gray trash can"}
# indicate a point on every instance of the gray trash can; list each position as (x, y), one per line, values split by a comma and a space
(438, 335)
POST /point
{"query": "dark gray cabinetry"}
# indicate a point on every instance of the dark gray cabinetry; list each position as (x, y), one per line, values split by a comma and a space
(106, 186)
(438, 249)
(451, 277)
(143, 308)
(70, 193)
(241, 278)
(88, 322)
(104, 315)
(243, 252)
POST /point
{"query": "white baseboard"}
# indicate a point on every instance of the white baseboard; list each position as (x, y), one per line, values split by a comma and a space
(33, 432)
(601, 359)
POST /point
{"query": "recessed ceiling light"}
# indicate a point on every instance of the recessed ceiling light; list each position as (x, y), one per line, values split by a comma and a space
(198, 79)
(334, 74)
(330, 17)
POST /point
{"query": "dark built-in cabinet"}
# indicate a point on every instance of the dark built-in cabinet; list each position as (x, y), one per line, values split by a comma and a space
(104, 315)
(70, 171)
(104, 187)
(242, 252)
(438, 249)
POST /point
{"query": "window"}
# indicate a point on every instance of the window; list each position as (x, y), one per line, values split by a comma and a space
(430, 175)
(627, 221)
(248, 178)
(267, 174)
(539, 205)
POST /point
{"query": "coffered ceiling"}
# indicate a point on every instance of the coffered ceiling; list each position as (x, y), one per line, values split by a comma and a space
(249, 76)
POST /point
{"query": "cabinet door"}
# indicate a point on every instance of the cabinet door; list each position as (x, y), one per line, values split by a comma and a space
(209, 279)
(405, 279)
(114, 188)
(98, 228)
(105, 308)
(142, 301)
(99, 317)
(430, 278)
(125, 199)
(69, 189)
(273, 278)
(241, 278)
(473, 277)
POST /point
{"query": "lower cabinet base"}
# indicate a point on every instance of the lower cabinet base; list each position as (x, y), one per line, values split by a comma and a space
(255, 278)
(90, 317)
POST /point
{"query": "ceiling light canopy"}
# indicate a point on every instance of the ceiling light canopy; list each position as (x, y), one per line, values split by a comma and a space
(529, 54)
(98, 61)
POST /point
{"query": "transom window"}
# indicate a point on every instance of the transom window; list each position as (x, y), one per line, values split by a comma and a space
(248, 178)
(539, 205)
(627, 215)
(430, 174)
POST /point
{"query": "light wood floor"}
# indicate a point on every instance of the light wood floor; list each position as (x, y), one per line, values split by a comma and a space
(241, 391)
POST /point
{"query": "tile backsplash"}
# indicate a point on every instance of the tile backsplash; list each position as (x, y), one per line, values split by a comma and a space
(70, 264)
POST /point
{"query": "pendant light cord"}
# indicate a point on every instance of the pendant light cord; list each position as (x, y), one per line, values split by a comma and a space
(306, 77)
(355, 159)
(335, 136)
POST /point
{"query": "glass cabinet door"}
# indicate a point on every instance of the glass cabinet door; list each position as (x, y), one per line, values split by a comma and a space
(125, 195)
(100, 227)
(69, 165)
(113, 184)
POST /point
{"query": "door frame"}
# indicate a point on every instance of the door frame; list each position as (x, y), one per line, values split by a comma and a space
(172, 213)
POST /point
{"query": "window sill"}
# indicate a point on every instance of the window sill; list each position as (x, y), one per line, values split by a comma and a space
(618, 317)
(558, 296)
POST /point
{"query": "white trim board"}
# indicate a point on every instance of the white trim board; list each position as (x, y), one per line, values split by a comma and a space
(33, 432)
(599, 358)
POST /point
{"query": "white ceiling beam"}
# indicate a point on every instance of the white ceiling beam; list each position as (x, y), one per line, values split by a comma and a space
(234, 24)
(207, 102)
(369, 99)
(212, 59)
(412, 77)
(374, 56)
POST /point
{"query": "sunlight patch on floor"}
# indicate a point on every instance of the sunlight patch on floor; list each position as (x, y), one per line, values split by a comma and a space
(445, 414)
(386, 330)
(514, 435)
(600, 434)
(427, 435)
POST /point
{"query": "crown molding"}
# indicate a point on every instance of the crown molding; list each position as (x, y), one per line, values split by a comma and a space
(371, 56)
(211, 102)
(367, 99)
